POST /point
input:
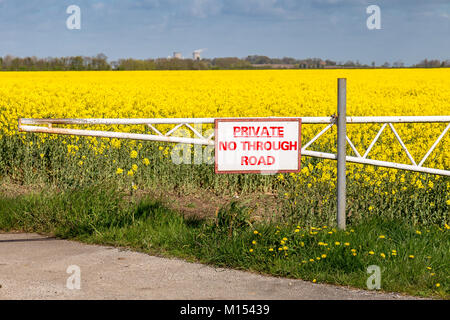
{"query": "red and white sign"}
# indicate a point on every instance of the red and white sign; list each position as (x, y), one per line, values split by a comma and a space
(257, 145)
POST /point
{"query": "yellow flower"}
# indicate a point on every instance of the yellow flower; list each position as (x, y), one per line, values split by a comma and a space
(418, 232)
(134, 167)
(346, 244)
(254, 242)
(371, 252)
(271, 249)
(305, 171)
(324, 256)
(314, 280)
(382, 237)
(119, 170)
(438, 285)
(411, 256)
(383, 255)
(130, 173)
(145, 161)
(133, 154)
(337, 243)
(251, 250)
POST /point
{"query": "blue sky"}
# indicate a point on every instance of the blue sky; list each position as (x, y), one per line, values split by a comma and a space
(328, 29)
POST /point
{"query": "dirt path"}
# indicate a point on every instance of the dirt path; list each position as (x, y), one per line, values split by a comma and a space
(34, 267)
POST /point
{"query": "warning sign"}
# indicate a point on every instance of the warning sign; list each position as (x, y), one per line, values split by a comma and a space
(257, 145)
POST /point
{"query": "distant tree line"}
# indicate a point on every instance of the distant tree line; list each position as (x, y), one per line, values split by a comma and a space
(433, 64)
(10, 63)
(100, 62)
(180, 64)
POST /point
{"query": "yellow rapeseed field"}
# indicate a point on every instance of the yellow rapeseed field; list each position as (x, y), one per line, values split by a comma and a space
(303, 93)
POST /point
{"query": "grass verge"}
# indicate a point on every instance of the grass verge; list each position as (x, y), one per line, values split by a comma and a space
(413, 259)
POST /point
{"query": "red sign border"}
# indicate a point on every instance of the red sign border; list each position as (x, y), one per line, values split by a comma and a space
(216, 140)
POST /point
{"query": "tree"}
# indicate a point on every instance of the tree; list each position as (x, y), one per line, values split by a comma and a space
(231, 63)
(349, 63)
(398, 64)
(255, 59)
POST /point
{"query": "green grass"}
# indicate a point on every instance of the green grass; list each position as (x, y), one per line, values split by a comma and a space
(102, 215)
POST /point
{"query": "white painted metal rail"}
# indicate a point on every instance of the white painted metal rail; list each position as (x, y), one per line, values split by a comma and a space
(45, 126)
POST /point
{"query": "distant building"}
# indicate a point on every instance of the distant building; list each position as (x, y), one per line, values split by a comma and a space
(177, 55)
(196, 55)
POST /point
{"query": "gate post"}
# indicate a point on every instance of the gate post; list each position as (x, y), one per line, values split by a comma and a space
(341, 152)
